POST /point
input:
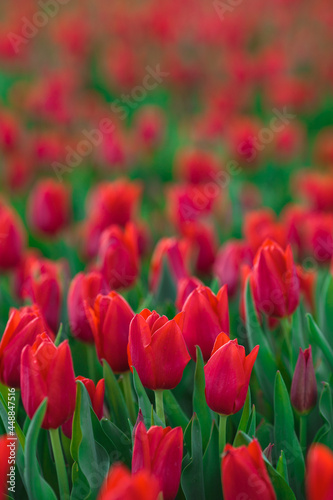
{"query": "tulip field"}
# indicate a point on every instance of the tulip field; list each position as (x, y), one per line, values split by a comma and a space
(166, 250)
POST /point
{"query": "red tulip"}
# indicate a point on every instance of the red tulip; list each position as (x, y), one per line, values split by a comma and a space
(176, 254)
(227, 375)
(96, 395)
(22, 329)
(244, 474)
(12, 237)
(118, 256)
(303, 393)
(185, 288)
(157, 350)
(159, 451)
(109, 320)
(149, 126)
(231, 256)
(49, 207)
(319, 473)
(196, 166)
(202, 241)
(274, 278)
(260, 225)
(47, 371)
(307, 283)
(82, 292)
(206, 315)
(121, 485)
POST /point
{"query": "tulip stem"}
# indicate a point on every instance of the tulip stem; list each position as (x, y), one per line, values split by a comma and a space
(222, 432)
(91, 361)
(159, 405)
(302, 432)
(60, 464)
(286, 327)
(129, 395)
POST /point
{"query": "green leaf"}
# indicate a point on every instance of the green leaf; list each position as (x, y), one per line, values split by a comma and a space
(319, 339)
(325, 433)
(91, 461)
(144, 403)
(117, 405)
(281, 467)
(36, 485)
(200, 406)
(285, 437)
(123, 444)
(192, 479)
(243, 423)
(4, 416)
(173, 412)
(265, 365)
(325, 305)
(252, 423)
(211, 466)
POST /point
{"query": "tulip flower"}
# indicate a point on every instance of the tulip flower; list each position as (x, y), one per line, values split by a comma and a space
(96, 395)
(303, 393)
(23, 327)
(118, 255)
(120, 484)
(244, 474)
(275, 283)
(229, 260)
(156, 348)
(82, 292)
(205, 316)
(202, 241)
(159, 451)
(12, 237)
(196, 166)
(49, 207)
(260, 225)
(227, 375)
(319, 473)
(47, 372)
(185, 288)
(109, 320)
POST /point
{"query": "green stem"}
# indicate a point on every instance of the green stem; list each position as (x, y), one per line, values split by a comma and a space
(129, 395)
(286, 327)
(91, 357)
(222, 432)
(302, 432)
(159, 405)
(60, 464)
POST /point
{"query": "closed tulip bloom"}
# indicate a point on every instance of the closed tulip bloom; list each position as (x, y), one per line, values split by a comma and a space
(303, 393)
(83, 291)
(157, 349)
(109, 320)
(118, 255)
(319, 473)
(206, 315)
(175, 253)
(23, 327)
(96, 394)
(227, 375)
(229, 260)
(159, 451)
(185, 288)
(120, 484)
(244, 474)
(12, 237)
(275, 281)
(49, 207)
(47, 372)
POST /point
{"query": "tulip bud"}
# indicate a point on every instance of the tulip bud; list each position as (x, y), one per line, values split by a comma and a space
(227, 375)
(82, 292)
(303, 393)
(119, 257)
(244, 474)
(47, 372)
(202, 240)
(229, 260)
(319, 473)
(159, 451)
(206, 315)
(109, 320)
(12, 238)
(49, 207)
(157, 350)
(121, 485)
(23, 327)
(96, 395)
(176, 254)
(185, 288)
(259, 225)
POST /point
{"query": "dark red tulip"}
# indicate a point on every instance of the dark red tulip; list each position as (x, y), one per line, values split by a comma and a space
(159, 451)
(12, 237)
(319, 473)
(49, 207)
(109, 320)
(47, 372)
(227, 375)
(185, 288)
(175, 253)
(203, 244)
(82, 292)
(244, 474)
(157, 350)
(303, 393)
(206, 315)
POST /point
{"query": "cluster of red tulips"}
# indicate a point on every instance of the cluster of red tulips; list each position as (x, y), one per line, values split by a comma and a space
(166, 250)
